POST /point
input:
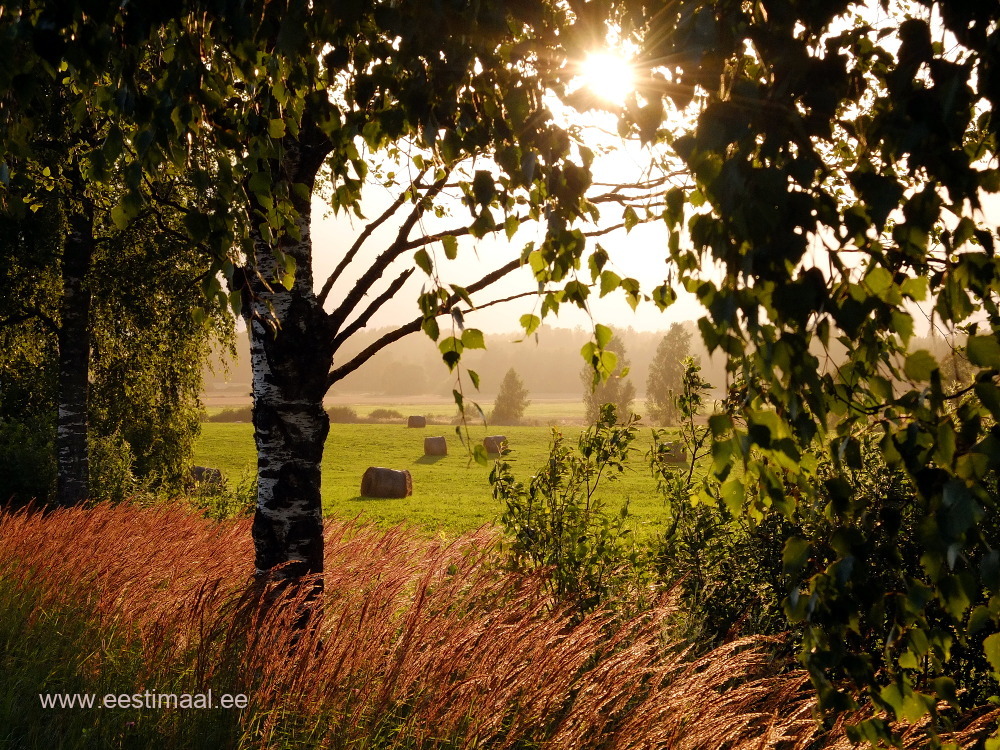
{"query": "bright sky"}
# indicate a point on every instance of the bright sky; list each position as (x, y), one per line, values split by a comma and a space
(639, 254)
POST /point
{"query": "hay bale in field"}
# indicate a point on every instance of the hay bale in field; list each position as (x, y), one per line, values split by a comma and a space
(206, 475)
(674, 453)
(435, 446)
(494, 443)
(416, 421)
(381, 482)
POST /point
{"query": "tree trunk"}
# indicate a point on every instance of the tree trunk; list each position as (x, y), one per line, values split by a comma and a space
(73, 485)
(291, 352)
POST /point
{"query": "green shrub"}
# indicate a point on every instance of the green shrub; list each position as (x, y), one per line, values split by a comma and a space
(558, 522)
(380, 415)
(27, 462)
(238, 414)
(111, 468)
(219, 501)
(343, 415)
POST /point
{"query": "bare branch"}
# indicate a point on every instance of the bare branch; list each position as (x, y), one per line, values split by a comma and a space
(339, 373)
(605, 230)
(376, 304)
(385, 259)
(430, 239)
(368, 230)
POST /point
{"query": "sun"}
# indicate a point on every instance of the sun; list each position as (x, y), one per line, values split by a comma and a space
(608, 75)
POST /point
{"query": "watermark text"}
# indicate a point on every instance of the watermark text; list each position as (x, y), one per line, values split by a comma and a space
(147, 699)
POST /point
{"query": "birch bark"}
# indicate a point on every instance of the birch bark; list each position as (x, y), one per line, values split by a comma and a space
(291, 353)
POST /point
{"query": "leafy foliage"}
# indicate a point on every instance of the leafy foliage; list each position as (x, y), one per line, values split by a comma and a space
(343, 415)
(559, 524)
(840, 161)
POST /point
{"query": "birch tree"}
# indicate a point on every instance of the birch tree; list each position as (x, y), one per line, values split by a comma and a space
(74, 150)
(304, 95)
(257, 103)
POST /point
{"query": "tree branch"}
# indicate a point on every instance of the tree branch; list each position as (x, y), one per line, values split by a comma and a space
(368, 230)
(382, 262)
(31, 315)
(339, 373)
(362, 320)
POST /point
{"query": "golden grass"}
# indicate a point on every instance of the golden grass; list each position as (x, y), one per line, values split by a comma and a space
(422, 643)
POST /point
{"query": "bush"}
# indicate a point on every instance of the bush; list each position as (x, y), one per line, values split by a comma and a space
(384, 415)
(558, 523)
(238, 414)
(27, 463)
(343, 415)
(111, 468)
(219, 501)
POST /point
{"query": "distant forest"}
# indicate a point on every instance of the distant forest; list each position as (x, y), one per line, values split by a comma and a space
(549, 364)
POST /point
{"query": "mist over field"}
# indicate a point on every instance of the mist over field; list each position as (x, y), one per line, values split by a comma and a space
(548, 362)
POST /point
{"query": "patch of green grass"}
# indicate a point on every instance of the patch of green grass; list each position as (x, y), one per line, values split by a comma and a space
(450, 493)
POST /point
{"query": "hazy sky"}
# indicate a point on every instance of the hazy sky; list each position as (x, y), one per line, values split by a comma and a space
(639, 254)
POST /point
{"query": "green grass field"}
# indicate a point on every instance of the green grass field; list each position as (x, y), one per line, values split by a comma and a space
(450, 493)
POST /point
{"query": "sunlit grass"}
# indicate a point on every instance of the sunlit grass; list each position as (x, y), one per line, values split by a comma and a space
(450, 493)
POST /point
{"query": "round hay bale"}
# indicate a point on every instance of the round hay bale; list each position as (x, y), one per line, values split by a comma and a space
(494, 443)
(416, 421)
(435, 446)
(381, 482)
(674, 453)
(206, 475)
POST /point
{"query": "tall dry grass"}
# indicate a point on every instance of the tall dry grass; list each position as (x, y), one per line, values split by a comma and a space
(422, 643)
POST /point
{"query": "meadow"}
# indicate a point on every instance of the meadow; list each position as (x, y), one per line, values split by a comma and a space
(450, 493)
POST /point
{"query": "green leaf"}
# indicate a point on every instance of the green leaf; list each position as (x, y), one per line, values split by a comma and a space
(609, 282)
(480, 455)
(991, 647)
(733, 494)
(603, 335)
(450, 244)
(451, 344)
(472, 338)
(530, 324)
(983, 351)
(119, 217)
(631, 218)
(795, 555)
(483, 187)
(430, 327)
(423, 261)
(462, 293)
(916, 289)
(919, 366)
(276, 128)
(879, 281)
(474, 377)
(260, 183)
(510, 226)
(607, 364)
